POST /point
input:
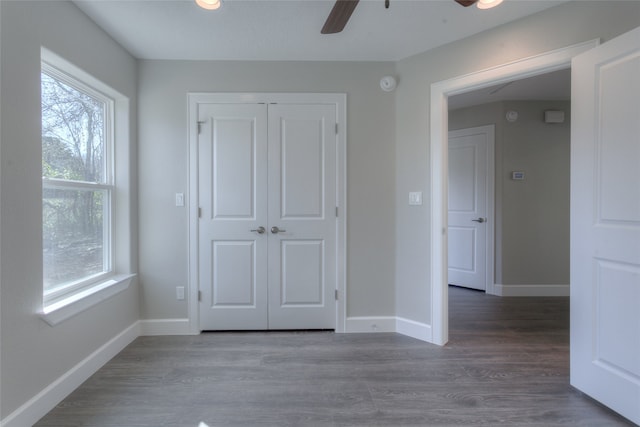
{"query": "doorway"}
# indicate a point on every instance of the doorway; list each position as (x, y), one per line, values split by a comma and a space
(552, 61)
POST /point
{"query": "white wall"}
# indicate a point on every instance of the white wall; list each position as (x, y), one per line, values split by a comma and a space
(551, 29)
(33, 353)
(163, 158)
(532, 216)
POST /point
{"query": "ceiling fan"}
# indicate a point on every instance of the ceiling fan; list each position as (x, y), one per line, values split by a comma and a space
(342, 10)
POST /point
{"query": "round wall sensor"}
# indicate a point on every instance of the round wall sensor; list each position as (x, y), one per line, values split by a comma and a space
(512, 116)
(388, 83)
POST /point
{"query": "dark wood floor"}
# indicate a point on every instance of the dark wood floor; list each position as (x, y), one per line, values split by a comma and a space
(506, 364)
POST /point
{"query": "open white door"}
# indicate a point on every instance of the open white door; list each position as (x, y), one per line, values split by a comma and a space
(605, 224)
(470, 207)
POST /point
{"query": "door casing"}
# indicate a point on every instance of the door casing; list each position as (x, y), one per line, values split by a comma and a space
(340, 102)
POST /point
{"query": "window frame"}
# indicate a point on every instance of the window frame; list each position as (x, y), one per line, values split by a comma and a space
(52, 297)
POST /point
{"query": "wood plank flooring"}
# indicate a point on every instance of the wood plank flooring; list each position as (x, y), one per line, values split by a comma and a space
(507, 363)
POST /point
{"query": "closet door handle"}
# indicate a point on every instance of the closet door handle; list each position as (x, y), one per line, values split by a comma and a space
(259, 230)
(276, 230)
(480, 220)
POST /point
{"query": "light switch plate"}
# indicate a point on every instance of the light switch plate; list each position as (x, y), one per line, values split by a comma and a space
(415, 198)
(179, 199)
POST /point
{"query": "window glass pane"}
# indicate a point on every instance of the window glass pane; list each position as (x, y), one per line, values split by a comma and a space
(73, 133)
(73, 235)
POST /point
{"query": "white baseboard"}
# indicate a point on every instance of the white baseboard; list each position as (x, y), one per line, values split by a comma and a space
(39, 405)
(399, 325)
(164, 327)
(371, 324)
(413, 329)
(532, 290)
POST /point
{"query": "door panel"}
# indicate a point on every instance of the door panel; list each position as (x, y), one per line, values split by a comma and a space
(233, 198)
(302, 200)
(302, 168)
(605, 224)
(463, 242)
(468, 209)
(463, 159)
(234, 278)
(302, 269)
(234, 148)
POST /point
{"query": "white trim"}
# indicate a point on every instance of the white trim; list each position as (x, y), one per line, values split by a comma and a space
(440, 91)
(337, 99)
(371, 324)
(78, 302)
(400, 325)
(165, 327)
(532, 290)
(413, 329)
(38, 406)
(67, 70)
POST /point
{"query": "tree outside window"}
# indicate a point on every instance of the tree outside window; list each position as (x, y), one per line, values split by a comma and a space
(77, 183)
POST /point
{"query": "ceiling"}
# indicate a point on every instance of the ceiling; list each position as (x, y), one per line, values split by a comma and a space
(554, 86)
(289, 30)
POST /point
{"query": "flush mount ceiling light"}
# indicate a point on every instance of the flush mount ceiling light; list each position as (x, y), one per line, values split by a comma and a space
(488, 4)
(209, 4)
(482, 4)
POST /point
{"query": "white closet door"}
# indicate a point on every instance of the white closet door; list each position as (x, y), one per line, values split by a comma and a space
(302, 201)
(233, 202)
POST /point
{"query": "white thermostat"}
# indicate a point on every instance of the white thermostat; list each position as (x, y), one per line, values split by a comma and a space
(517, 176)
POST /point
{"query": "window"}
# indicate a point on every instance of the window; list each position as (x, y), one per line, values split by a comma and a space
(77, 184)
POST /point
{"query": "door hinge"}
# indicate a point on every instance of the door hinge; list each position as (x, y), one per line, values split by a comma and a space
(199, 295)
(199, 212)
(336, 211)
(336, 128)
(337, 295)
(200, 126)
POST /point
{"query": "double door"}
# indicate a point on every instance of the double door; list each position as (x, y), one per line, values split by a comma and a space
(267, 226)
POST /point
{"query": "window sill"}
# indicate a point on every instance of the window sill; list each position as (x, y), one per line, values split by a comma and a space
(62, 310)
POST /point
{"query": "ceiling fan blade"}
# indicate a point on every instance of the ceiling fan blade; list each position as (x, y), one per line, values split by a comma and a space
(339, 16)
(466, 3)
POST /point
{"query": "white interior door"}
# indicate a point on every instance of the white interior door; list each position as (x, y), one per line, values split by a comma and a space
(302, 203)
(233, 202)
(267, 239)
(468, 206)
(605, 224)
